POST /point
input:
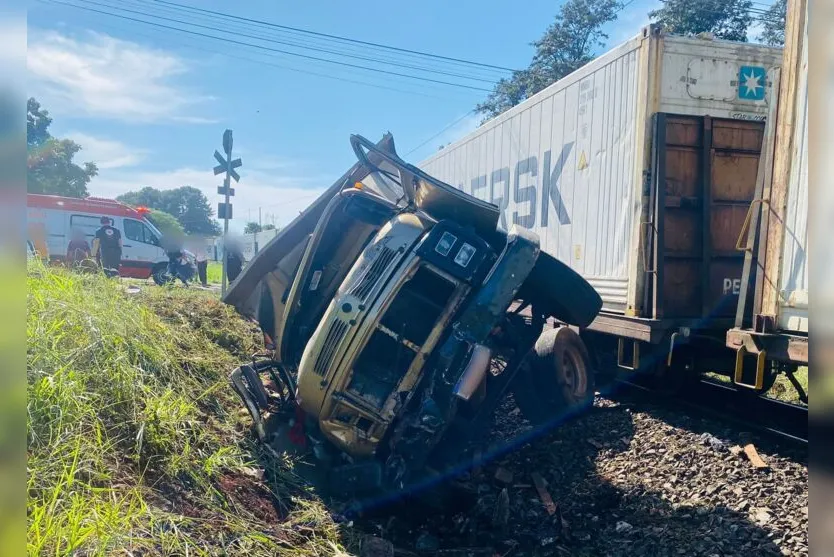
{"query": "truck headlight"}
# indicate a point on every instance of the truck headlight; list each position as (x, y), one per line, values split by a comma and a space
(446, 243)
(464, 255)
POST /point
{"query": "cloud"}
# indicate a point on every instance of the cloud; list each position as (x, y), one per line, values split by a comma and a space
(106, 153)
(101, 76)
(280, 197)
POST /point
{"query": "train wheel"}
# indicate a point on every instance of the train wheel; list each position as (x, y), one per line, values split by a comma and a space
(556, 379)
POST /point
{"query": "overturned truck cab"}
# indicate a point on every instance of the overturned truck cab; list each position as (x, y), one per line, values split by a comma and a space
(396, 317)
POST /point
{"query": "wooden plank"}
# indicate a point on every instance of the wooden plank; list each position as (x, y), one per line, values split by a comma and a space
(541, 487)
(778, 194)
(753, 455)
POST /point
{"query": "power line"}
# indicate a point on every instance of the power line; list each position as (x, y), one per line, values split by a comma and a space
(308, 39)
(336, 37)
(227, 54)
(302, 41)
(440, 132)
(269, 49)
(277, 41)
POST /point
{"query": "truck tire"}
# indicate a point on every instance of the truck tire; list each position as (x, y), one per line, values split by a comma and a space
(556, 378)
(160, 275)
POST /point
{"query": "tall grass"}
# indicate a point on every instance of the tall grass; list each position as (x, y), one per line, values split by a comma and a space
(131, 424)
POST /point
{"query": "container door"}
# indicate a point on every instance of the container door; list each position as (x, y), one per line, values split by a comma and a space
(705, 170)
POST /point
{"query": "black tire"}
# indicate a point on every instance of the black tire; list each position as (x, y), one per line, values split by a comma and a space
(160, 275)
(557, 290)
(555, 379)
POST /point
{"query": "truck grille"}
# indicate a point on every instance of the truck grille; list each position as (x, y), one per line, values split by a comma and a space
(328, 348)
(373, 273)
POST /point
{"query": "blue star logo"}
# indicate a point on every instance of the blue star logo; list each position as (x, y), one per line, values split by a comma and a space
(751, 83)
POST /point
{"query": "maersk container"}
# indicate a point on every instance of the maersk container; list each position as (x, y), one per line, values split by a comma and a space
(637, 170)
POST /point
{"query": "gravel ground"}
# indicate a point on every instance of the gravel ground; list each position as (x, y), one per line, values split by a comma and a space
(625, 479)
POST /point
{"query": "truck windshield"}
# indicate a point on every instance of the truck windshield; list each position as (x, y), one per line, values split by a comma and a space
(385, 181)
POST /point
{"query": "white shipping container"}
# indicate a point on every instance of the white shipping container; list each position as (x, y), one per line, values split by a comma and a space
(572, 163)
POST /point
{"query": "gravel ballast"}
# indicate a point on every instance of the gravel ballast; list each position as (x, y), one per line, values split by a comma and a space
(625, 478)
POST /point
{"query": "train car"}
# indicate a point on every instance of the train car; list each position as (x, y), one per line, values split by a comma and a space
(771, 324)
(638, 170)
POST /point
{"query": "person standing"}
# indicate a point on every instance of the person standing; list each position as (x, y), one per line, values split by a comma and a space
(107, 247)
(234, 260)
(202, 264)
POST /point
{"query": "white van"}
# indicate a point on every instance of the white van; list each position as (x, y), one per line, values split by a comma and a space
(53, 218)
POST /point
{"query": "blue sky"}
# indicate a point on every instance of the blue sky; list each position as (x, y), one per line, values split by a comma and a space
(149, 105)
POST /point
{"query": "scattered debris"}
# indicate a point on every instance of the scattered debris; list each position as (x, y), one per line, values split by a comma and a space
(623, 526)
(753, 455)
(736, 450)
(501, 513)
(541, 487)
(504, 476)
(256, 473)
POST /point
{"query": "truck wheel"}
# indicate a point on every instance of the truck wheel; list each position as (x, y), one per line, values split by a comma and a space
(556, 379)
(160, 275)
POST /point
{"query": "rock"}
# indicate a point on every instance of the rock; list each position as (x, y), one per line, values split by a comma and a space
(373, 546)
(761, 516)
(623, 526)
(503, 476)
(426, 542)
(711, 440)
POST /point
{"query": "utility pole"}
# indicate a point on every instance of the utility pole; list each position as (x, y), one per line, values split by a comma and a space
(224, 210)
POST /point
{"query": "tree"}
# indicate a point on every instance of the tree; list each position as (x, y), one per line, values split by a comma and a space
(166, 223)
(773, 24)
(188, 205)
(568, 44)
(268, 227)
(252, 228)
(49, 163)
(725, 19)
(146, 197)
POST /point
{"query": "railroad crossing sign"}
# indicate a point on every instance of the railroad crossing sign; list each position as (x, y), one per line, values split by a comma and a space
(224, 210)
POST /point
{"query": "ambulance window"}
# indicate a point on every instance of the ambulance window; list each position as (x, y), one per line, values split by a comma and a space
(138, 232)
(133, 230)
(86, 223)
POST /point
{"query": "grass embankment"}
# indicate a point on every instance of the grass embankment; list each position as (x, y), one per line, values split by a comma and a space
(136, 443)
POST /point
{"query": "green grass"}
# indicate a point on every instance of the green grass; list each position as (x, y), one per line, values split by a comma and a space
(782, 388)
(214, 272)
(132, 428)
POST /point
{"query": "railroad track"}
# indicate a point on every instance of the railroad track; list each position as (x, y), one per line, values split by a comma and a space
(723, 402)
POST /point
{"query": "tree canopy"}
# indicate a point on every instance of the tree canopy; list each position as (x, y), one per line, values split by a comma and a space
(165, 222)
(188, 205)
(252, 227)
(725, 19)
(575, 36)
(773, 24)
(569, 43)
(50, 168)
